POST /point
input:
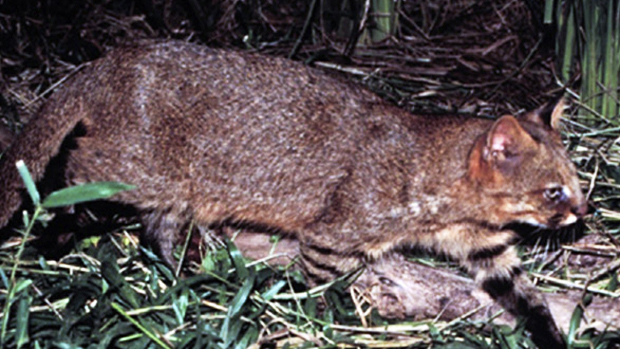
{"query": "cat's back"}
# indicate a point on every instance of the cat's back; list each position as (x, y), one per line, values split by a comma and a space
(238, 131)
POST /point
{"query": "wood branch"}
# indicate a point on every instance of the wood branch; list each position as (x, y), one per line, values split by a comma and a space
(402, 289)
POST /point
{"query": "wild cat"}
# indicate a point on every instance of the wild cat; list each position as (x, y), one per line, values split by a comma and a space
(229, 138)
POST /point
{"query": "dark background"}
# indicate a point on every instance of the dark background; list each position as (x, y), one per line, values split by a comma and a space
(472, 57)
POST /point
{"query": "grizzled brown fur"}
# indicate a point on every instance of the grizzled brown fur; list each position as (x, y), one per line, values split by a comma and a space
(223, 137)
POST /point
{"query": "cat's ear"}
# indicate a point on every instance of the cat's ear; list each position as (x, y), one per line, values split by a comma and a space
(500, 151)
(548, 114)
(506, 141)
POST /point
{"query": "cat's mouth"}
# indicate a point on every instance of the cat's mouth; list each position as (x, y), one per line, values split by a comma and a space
(561, 220)
(537, 234)
(562, 217)
(556, 221)
(574, 215)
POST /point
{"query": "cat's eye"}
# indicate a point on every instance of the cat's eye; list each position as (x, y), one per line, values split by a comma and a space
(554, 194)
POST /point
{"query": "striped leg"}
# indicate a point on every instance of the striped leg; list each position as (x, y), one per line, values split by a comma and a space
(497, 270)
(323, 264)
(161, 230)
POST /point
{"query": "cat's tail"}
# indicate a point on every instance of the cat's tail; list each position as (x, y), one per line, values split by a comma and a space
(36, 145)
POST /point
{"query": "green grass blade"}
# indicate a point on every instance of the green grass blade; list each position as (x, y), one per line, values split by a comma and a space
(23, 314)
(21, 286)
(4, 278)
(239, 262)
(110, 272)
(84, 193)
(242, 296)
(273, 290)
(548, 12)
(29, 182)
(575, 320)
(143, 329)
(180, 304)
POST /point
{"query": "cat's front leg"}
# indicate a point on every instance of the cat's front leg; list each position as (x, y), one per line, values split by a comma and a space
(497, 269)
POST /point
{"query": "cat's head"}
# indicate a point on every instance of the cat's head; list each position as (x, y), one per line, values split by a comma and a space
(524, 172)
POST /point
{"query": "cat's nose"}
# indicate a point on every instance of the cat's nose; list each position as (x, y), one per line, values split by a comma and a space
(580, 210)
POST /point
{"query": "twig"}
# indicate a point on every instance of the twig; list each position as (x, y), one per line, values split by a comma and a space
(574, 286)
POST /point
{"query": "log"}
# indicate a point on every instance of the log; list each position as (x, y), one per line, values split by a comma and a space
(400, 289)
